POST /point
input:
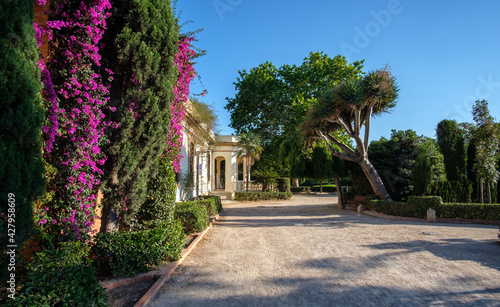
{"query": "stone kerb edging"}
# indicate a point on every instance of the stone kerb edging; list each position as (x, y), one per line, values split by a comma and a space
(163, 273)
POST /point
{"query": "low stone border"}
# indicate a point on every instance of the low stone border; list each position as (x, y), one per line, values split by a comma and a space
(163, 273)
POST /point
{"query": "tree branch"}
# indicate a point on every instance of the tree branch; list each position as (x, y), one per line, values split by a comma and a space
(367, 126)
(333, 151)
(348, 150)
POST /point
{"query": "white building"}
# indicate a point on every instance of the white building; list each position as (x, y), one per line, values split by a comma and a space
(211, 166)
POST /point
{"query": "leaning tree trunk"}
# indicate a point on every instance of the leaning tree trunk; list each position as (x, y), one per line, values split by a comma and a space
(374, 179)
(340, 196)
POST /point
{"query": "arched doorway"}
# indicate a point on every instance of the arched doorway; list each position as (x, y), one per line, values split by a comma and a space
(220, 173)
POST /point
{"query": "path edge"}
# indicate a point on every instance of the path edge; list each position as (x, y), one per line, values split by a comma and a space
(169, 270)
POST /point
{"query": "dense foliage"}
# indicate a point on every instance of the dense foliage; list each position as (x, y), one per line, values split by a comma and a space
(422, 174)
(254, 196)
(127, 253)
(159, 205)
(452, 191)
(193, 215)
(142, 46)
(283, 184)
(395, 160)
(76, 150)
(271, 101)
(451, 141)
(418, 206)
(61, 277)
(21, 166)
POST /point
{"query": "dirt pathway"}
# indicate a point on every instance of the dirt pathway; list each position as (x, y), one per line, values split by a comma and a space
(306, 252)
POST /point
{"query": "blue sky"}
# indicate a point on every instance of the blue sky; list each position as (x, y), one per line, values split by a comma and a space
(445, 54)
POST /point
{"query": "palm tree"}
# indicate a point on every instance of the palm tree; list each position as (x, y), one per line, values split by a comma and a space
(266, 177)
(350, 106)
(251, 149)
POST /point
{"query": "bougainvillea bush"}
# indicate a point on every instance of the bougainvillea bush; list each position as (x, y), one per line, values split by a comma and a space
(76, 96)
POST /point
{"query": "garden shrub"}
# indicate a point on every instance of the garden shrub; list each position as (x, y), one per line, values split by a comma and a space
(216, 200)
(253, 196)
(325, 189)
(388, 207)
(132, 252)
(470, 211)
(61, 277)
(300, 189)
(417, 206)
(452, 191)
(193, 215)
(283, 184)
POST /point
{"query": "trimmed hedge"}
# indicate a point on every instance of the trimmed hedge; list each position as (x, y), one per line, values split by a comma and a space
(452, 191)
(132, 252)
(216, 201)
(283, 184)
(325, 189)
(252, 196)
(300, 189)
(193, 215)
(62, 277)
(417, 206)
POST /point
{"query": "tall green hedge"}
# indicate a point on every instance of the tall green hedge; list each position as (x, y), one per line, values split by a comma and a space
(283, 184)
(452, 191)
(21, 115)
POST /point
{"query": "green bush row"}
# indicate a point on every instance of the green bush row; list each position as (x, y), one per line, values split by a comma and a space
(193, 215)
(61, 277)
(251, 196)
(452, 191)
(417, 206)
(300, 189)
(325, 189)
(128, 253)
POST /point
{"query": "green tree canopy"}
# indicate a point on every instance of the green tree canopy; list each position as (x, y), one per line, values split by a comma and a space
(272, 102)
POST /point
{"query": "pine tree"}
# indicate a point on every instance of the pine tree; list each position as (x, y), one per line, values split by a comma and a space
(142, 36)
(21, 113)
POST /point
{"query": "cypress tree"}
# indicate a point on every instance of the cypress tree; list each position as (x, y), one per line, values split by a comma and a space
(422, 174)
(142, 36)
(21, 114)
(450, 138)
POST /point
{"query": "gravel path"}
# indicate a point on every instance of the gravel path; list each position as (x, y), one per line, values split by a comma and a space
(306, 252)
